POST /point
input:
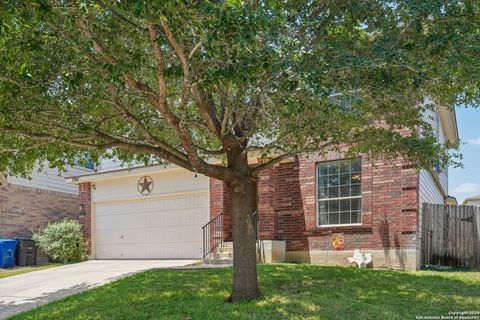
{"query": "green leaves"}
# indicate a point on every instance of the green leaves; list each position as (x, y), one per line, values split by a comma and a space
(82, 76)
(62, 241)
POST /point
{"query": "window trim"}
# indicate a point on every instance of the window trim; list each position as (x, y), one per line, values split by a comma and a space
(356, 224)
(317, 199)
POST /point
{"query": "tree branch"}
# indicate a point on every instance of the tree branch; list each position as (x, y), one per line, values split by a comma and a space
(205, 108)
(111, 142)
(123, 18)
(140, 126)
(174, 121)
(134, 84)
(270, 163)
(195, 48)
(193, 161)
(284, 156)
(61, 140)
(211, 152)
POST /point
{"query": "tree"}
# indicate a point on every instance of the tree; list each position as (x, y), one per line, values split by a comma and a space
(188, 81)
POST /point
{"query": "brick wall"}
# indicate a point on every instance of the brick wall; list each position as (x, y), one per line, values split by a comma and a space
(85, 198)
(288, 210)
(389, 207)
(266, 193)
(220, 202)
(25, 209)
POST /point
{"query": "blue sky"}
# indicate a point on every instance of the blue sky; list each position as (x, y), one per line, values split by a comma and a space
(465, 182)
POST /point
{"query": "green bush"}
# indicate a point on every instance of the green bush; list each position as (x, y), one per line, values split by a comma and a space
(62, 241)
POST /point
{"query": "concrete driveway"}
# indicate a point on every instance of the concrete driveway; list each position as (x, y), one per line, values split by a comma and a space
(26, 291)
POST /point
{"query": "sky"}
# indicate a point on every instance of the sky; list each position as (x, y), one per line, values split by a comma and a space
(465, 182)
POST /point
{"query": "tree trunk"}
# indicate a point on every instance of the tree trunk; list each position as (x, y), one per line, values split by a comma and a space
(243, 203)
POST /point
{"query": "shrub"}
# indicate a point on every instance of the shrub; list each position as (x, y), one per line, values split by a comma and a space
(62, 241)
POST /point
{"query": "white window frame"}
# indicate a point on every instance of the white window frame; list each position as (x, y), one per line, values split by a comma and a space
(317, 198)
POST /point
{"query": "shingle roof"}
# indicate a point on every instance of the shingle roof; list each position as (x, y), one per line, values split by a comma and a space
(471, 199)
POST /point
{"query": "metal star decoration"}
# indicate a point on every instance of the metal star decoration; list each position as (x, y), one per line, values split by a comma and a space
(145, 185)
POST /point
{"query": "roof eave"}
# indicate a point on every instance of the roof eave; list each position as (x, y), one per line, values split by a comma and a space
(449, 123)
(253, 158)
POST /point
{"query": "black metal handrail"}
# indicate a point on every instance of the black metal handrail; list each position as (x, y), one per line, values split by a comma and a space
(212, 234)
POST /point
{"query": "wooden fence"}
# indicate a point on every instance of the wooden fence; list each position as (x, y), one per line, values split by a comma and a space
(450, 236)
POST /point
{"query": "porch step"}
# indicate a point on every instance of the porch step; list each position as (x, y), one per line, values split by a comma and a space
(209, 261)
(221, 255)
(225, 249)
(224, 255)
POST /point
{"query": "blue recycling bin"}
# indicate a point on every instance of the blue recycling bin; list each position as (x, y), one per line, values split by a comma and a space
(7, 253)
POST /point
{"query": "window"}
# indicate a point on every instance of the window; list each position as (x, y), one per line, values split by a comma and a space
(85, 162)
(339, 193)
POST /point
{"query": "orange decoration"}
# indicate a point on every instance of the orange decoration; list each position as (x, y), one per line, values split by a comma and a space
(338, 241)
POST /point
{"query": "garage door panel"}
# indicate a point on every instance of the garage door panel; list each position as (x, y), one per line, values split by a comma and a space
(162, 204)
(157, 226)
(148, 251)
(184, 217)
(165, 182)
(155, 235)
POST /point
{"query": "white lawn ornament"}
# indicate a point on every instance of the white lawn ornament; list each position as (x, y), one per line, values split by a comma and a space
(361, 259)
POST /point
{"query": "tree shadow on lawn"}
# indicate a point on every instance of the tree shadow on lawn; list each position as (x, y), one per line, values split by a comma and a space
(11, 305)
(290, 292)
(377, 294)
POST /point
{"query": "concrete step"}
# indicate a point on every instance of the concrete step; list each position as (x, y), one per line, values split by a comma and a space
(221, 255)
(225, 249)
(209, 261)
(228, 247)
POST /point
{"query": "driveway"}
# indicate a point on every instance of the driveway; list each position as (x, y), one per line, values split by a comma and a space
(26, 291)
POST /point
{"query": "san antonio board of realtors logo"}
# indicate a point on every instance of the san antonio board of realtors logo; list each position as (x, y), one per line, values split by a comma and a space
(145, 185)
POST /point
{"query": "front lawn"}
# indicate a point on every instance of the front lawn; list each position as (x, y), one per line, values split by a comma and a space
(8, 272)
(290, 292)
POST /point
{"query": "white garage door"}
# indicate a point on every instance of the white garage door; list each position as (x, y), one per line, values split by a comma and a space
(162, 226)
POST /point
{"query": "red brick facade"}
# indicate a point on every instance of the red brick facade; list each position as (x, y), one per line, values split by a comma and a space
(26, 209)
(220, 203)
(266, 204)
(288, 210)
(85, 199)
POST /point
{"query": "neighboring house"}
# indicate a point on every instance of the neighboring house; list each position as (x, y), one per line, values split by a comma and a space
(28, 204)
(473, 201)
(321, 207)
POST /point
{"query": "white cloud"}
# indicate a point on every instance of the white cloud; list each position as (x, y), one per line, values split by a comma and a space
(467, 187)
(474, 141)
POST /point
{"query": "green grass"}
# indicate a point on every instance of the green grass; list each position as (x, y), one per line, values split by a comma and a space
(5, 273)
(290, 292)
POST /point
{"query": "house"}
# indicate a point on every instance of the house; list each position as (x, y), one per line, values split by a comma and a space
(318, 207)
(28, 204)
(472, 201)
